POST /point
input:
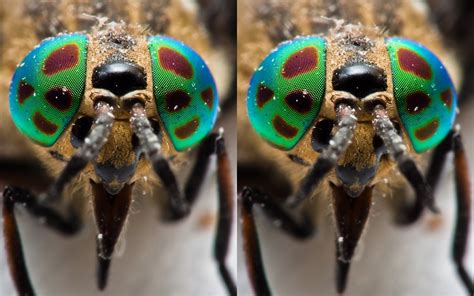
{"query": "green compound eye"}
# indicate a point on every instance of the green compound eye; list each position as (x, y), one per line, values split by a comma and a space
(48, 86)
(184, 90)
(287, 90)
(425, 95)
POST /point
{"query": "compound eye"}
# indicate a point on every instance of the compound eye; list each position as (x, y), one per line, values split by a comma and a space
(287, 90)
(184, 90)
(425, 96)
(48, 86)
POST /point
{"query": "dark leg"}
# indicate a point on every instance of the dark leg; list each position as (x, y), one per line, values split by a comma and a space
(39, 207)
(410, 212)
(14, 250)
(464, 211)
(180, 204)
(463, 195)
(200, 168)
(21, 172)
(298, 229)
(225, 213)
(351, 216)
(214, 144)
(251, 245)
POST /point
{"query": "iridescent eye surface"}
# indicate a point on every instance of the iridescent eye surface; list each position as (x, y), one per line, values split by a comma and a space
(286, 91)
(184, 90)
(48, 86)
(425, 95)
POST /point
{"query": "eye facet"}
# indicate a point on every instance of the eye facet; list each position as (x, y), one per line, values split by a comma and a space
(425, 95)
(286, 91)
(184, 90)
(48, 86)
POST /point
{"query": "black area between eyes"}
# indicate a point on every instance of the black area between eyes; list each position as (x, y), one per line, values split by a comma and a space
(360, 80)
(119, 77)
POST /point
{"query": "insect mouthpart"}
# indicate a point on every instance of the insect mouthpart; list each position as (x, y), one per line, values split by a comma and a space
(114, 179)
(115, 167)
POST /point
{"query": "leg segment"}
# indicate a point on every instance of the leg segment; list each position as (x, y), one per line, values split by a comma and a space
(298, 229)
(463, 195)
(20, 172)
(14, 250)
(409, 213)
(464, 210)
(90, 149)
(180, 204)
(225, 214)
(346, 122)
(386, 131)
(38, 205)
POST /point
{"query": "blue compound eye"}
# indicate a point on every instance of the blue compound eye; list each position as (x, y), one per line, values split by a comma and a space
(425, 95)
(48, 86)
(184, 90)
(287, 90)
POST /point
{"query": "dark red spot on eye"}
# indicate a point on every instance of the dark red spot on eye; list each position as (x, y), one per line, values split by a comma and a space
(417, 102)
(61, 59)
(427, 131)
(60, 98)
(208, 97)
(177, 100)
(264, 94)
(411, 62)
(300, 101)
(283, 128)
(300, 62)
(447, 97)
(186, 130)
(175, 62)
(43, 124)
(24, 91)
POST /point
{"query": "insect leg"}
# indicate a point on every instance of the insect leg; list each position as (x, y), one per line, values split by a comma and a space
(18, 172)
(296, 228)
(409, 213)
(351, 216)
(92, 144)
(38, 205)
(251, 245)
(464, 211)
(346, 122)
(66, 225)
(180, 204)
(386, 131)
(200, 168)
(226, 211)
(214, 144)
